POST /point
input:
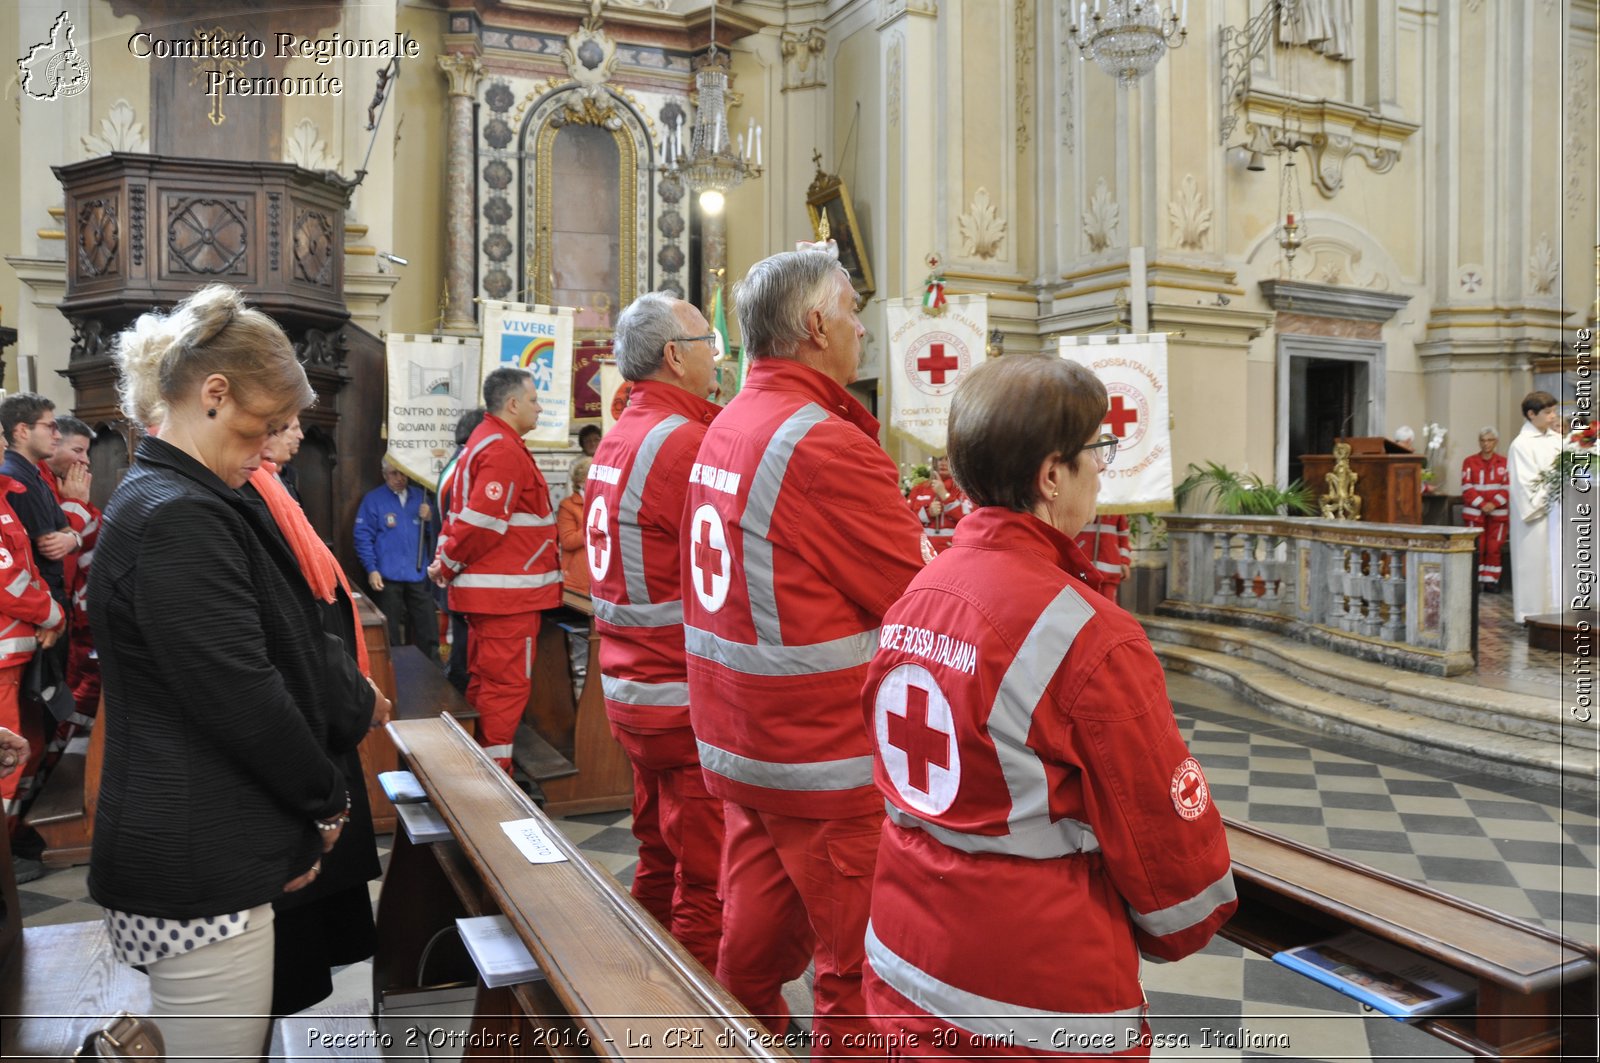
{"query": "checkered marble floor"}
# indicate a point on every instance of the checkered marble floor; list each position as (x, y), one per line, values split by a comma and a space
(1528, 851)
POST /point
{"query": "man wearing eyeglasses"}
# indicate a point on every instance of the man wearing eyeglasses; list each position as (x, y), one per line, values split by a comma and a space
(632, 525)
(29, 422)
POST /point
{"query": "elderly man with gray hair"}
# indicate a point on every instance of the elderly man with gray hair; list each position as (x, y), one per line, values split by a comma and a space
(796, 541)
(634, 519)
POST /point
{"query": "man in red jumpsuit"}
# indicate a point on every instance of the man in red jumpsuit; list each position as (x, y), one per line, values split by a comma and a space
(1105, 541)
(497, 554)
(1485, 503)
(939, 505)
(796, 540)
(66, 473)
(632, 529)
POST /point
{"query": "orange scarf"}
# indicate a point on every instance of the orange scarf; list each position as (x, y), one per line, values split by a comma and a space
(321, 571)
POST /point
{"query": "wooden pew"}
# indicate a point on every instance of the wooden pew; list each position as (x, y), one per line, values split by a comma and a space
(57, 982)
(419, 691)
(574, 757)
(63, 813)
(617, 985)
(1536, 990)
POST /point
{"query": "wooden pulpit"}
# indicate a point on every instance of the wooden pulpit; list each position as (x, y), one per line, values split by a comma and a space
(1389, 479)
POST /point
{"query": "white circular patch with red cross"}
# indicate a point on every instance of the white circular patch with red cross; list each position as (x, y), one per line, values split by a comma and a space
(597, 529)
(494, 490)
(916, 739)
(5, 558)
(1190, 794)
(709, 559)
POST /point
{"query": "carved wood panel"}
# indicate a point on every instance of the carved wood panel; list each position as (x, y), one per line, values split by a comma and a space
(208, 235)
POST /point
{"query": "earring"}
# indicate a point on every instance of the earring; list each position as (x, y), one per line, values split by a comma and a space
(212, 413)
(1055, 494)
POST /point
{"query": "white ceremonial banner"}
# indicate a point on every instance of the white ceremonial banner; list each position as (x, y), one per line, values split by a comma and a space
(433, 380)
(538, 339)
(614, 392)
(1134, 371)
(928, 356)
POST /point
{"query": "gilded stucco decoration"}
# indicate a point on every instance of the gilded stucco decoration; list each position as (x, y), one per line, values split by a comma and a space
(1100, 221)
(1544, 268)
(1189, 215)
(120, 130)
(982, 228)
(305, 148)
(802, 58)
(1023, 42)
(591, 59)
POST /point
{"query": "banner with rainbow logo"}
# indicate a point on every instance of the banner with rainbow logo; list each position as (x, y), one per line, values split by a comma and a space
(538, 339)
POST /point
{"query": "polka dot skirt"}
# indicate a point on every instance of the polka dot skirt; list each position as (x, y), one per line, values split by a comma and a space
(140, 940)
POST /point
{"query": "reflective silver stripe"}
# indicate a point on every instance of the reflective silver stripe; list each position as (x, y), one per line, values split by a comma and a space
(835, 656)
(464, 468)
(1184, 914)
(498, 752)
(633, 692)
(756, 521)
(542, 579)
(630, 539)
(28, 644)
(1086, 1033)
(1107, 566)
(19, 584)
(1011, 718)
(482, 520)
(56, 615)
(531, 520)
(449, 562)
(1064, 837)
(78, 744)
(655, 614)
(1470, 511)
(846, 774)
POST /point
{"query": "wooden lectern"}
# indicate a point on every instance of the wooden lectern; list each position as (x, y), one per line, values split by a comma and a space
(1390, 479)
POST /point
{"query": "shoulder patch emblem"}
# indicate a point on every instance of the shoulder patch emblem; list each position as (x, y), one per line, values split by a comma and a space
(1190, 794)
(494, 490)
(6, 559)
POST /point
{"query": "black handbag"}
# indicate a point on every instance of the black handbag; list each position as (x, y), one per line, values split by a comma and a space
(44, 680)
(124, 1037)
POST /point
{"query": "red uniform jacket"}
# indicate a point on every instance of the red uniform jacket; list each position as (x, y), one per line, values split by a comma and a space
(1105, 541)
(25, 601)
(499, 543)
(636, 489)
(83, 518)
(1036, 784)
(940, 528)
(796, 540)
(1485, 481)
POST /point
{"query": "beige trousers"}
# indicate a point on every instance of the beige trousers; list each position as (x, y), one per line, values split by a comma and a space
(214, 1003)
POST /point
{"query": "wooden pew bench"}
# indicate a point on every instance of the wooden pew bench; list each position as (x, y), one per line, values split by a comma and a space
(616, 985)
(1536, 990)
(57, 983)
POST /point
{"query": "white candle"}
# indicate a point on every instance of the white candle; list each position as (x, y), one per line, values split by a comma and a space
(750, 136)
(1185, 20)
(758, 145)
(1083, 13)
(740, 140)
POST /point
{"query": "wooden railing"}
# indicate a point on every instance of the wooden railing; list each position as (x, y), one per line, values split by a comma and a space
(1400, 594)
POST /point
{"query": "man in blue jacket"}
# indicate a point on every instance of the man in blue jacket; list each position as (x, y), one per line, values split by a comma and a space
(392, 526)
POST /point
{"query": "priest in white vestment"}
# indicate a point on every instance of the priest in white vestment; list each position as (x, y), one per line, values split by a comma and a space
(1532, 452)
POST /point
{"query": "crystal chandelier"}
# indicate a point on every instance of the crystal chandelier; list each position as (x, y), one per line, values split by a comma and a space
(1129, 37)
(713, 161)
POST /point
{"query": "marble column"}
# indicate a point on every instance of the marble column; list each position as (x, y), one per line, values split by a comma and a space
(462, 71)
(713, 258)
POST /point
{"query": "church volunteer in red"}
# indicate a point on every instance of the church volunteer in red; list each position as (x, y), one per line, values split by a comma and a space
(1105, 541)
(29, 618)
(1047, 824)
(939, 505)
(498, 555)
(1485, 503)
(66, 473)
(796, 540)
(634, 522)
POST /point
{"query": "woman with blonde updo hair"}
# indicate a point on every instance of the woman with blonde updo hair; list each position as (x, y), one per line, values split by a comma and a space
(218, 794)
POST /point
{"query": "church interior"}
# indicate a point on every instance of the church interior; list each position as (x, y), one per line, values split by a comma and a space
(1346, 216)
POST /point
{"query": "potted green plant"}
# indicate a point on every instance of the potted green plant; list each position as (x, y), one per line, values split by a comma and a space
(1246, 494)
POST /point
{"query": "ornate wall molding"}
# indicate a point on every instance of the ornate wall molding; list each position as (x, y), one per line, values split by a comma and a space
(894, 9)
(1332, 132)
(896, 77)
(1067, 72)
(983, 231)
(1189, 215)
(120, 130)
(803, 58)
(1544, 267)
(1580, 131)
(305, 148)
(462, 71)
(1101, 219)
(1022, 42)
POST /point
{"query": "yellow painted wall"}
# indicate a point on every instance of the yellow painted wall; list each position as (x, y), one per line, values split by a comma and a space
(419, 163)
(10, 207)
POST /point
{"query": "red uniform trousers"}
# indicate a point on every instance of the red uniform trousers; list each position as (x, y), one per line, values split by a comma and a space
(679, 827)
(12, 788)
(500, 660)
(83, 674)
(1490, 543)
(775, 870)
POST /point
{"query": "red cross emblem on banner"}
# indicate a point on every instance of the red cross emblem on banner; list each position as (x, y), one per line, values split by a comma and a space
(1190, 794)
(599, 537)
(936, 363)
(1120, 416)
(916, 739)
(708, 558)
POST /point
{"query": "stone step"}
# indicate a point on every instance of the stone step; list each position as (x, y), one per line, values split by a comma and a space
(1517, 715)
(1508, 756)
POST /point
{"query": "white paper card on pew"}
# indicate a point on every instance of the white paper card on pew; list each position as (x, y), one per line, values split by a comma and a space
(423, 823)
(501, 956)
(402, 787)
(532, 841)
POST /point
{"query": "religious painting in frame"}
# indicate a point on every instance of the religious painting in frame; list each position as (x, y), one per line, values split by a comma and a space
(834, 218)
